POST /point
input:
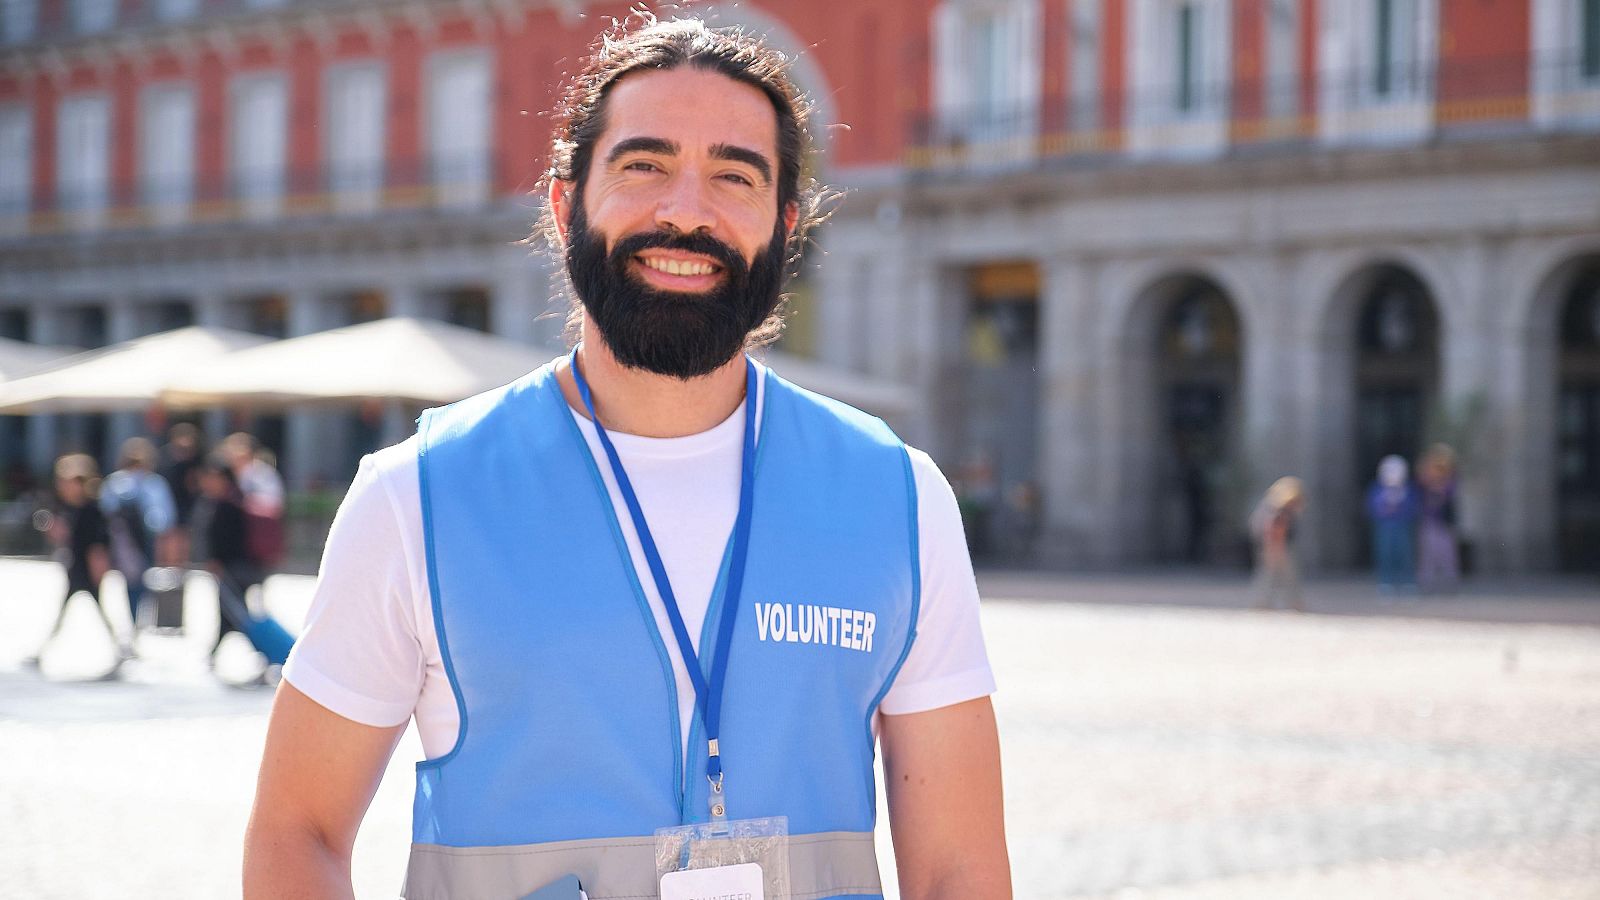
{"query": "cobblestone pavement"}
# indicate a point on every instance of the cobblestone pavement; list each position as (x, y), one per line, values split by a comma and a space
(1152, 752)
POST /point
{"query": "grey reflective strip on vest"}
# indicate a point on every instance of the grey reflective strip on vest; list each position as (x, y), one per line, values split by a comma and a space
(820, 865)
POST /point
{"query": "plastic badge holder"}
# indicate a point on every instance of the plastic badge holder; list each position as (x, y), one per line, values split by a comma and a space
(729, 842)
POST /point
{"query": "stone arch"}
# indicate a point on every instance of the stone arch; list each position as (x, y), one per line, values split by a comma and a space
(1178, 352)
(1536, 469)
(1395, 402)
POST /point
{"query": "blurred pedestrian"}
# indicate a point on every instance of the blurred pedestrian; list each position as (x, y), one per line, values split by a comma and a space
(180, 466)
(139, 512)
(1021, 521)
(77, 529)
(1438, 559)
(1272, 525)
(1392, 506)
(221, 546)
(262, 497)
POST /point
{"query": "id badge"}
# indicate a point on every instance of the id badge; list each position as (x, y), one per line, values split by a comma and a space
(737, 859)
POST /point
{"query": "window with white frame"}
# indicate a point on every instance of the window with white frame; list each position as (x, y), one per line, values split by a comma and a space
(1084, 65)
(83, 147)
(166, 151)
(1393, 72)
(1281, 89)
(1188, 74)
(18, 20)
(987, 71)
(355, 135)
(16, 167)
(92, 16)
(460, 104)
(1179, 76)
(1565, 64)
(258, 142)
(1589, 36)
(1377, 61)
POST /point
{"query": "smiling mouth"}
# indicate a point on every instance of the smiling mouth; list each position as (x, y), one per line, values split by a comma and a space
(679, 267)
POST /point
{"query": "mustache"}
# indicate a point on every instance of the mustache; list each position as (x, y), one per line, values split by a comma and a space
(703, 244)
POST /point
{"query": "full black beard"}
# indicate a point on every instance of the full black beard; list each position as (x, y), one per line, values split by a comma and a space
(667, 332)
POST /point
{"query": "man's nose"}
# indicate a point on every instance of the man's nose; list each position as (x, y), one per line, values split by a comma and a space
(684, 207)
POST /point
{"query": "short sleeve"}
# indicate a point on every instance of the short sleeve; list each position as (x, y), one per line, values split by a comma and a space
(359, 654)
(948, 662)
(95, 531)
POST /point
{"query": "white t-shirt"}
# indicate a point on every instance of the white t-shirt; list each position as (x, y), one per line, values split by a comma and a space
(369, 651)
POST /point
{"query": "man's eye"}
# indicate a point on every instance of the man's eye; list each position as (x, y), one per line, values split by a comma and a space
(641, 165)
(736, 178)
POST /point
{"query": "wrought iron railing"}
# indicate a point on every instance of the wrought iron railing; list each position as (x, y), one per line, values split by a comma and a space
(467, 183)
(1407, 104)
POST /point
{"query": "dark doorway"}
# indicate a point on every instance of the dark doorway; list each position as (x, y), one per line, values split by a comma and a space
(1397, 380)
(1578, 426)
(468, 307)
(1197, 353)
(996, 475)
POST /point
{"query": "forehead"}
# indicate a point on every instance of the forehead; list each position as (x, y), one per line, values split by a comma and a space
(691, 107)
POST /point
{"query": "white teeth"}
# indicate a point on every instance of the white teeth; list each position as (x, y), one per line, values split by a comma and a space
(677, 267)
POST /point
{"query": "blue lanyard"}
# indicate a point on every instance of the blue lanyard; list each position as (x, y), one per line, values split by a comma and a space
(708, 694)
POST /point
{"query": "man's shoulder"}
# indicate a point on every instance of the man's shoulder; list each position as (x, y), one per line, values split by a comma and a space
(463, 418)
(394, 463)
(849, 419)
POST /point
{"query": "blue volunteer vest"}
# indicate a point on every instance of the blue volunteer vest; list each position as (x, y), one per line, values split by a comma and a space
(569, 754)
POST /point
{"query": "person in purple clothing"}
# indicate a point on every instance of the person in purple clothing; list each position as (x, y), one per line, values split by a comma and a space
(1392, 505)
(1438, 560)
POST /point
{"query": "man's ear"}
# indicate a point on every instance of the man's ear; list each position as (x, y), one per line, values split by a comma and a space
(791, 216)
(561, 205)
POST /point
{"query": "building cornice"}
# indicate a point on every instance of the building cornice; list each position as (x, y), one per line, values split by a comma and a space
(287, 240)
(1064, 179)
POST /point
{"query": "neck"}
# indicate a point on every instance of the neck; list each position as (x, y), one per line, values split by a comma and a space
(631, 401)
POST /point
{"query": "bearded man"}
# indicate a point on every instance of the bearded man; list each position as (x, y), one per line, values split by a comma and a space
(651, 585)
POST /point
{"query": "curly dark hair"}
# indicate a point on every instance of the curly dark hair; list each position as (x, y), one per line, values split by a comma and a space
(663, 46)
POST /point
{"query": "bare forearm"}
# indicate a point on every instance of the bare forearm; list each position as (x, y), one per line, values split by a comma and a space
(965, 885)
(282, 861)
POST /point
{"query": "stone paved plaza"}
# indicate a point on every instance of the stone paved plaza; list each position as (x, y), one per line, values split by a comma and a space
(1162, 744)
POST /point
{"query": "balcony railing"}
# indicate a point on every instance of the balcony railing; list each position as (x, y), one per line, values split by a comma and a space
(1457, 96)
(344, 190)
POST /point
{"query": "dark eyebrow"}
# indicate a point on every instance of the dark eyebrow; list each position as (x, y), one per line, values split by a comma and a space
(749, 157)
(656, 145)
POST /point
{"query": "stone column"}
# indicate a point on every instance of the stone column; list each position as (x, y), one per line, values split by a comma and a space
(213, 310)
(519, 295)
(1470, 379)
(1072, 530)
(929, 323)
(308, 432)
(1320, 348)
(883, 303)
(1269, 386)
(840, 298)
(406, 298)
(43, 437)
(123, 323)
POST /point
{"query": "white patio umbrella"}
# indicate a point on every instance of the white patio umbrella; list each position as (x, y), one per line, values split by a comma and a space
(18, 358)
(431, 362)
(125, 376)
(415, 360)
(875, 395)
